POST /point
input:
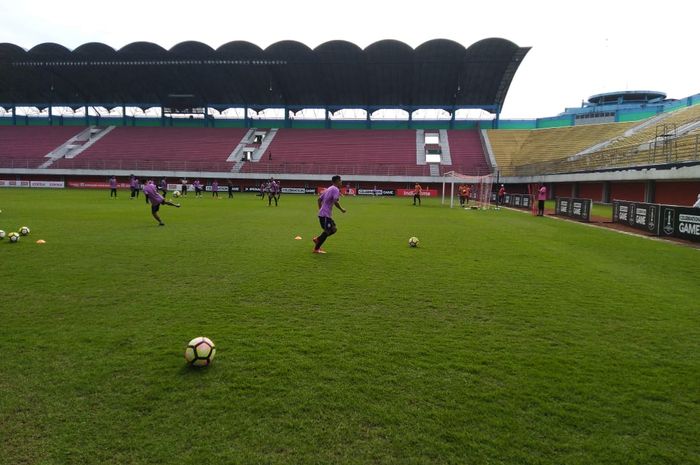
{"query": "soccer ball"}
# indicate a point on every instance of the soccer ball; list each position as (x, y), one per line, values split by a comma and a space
(200, 352)
(413, 242)
(13, 237)
(2, 234)
(24, 231)
(176, 194)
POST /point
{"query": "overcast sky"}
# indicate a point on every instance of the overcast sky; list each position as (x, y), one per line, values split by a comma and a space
(579, 48)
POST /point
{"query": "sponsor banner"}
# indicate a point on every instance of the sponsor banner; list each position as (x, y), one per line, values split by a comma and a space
(48, 184)
(411, 192)
(581, 209)
(13, 183)
(519, 201)
(574, 208)
(562, 206)
(293, 190)
(285, 190)
(223, 188)
(506, 199)
(97, 185)
(376, 192)
(680, 222)
(643, 216)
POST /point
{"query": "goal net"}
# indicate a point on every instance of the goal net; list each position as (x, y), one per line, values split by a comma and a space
(480, 188)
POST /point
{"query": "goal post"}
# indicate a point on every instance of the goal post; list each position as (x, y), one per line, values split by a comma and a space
(533, 190)
(480, 192)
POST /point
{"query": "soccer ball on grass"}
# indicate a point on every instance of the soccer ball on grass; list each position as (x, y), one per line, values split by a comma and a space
(413, 242)
(200, 352)
(2, 234)
(13, 237)
(176, 194)
(24, 231)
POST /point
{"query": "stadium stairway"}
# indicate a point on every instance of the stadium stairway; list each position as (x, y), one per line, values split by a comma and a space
(445, 156)
(420, 147)
(629, 133)
(257, 155)
(238, 151)
(76, 145)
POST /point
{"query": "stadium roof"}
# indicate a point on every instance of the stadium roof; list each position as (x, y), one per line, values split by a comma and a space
(337, 74)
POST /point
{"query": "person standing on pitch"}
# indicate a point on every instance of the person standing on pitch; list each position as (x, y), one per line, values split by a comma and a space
(417, 189)
(215, 189)
(501, 195)
(230, 189)
(163, 187)
(462, 194)
(541, 197)
(183, 186)
(266, 189)
(197, 188)
(156, 200)
(274, 192)
(134, 184)
(326, 201)
(112, 187)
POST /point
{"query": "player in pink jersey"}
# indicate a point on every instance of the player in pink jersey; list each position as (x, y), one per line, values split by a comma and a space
(151, 191)
(274, 192)
(326, 201)
(541, 197)
(113, 187)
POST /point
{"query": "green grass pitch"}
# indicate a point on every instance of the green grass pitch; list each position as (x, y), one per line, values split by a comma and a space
(502, 339)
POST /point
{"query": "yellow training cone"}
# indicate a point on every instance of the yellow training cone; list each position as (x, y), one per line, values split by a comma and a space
(41, 241)
(298, 238)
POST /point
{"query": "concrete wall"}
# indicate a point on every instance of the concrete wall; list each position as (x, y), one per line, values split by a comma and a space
(677, 193)
(632, 191)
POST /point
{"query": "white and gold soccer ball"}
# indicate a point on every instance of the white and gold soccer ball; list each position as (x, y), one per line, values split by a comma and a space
(13, 237)
(2, 234)
(24, 231)
(176, 194)
(413, 241)
(200, 352)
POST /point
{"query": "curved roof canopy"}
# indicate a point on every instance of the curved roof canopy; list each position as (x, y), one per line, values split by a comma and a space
(337, 74)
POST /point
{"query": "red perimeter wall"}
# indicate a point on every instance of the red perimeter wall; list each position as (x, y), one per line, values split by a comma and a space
(562, 189)
(677, 192)
(632, 191)
(591, 190)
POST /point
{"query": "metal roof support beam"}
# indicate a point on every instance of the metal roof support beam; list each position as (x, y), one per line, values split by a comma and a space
(87, 116)
(327, 118)
(123, 114)
(14, 115)
(368, 121)
(453, 117)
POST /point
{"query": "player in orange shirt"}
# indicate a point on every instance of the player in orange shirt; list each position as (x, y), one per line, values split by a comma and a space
(462, 194)
(416, 193)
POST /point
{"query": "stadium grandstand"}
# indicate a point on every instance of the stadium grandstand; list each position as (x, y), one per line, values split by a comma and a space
(245, 113)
